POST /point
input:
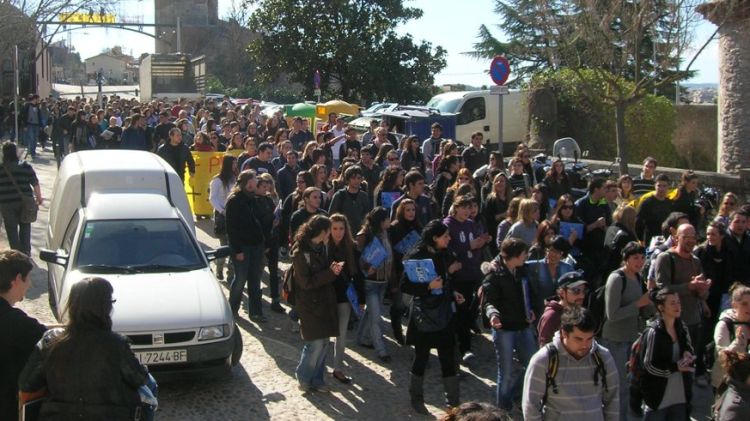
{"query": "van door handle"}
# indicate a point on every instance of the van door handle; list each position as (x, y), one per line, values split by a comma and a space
(486, 128)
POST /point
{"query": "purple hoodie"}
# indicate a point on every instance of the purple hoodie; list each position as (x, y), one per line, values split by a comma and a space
(462, 233)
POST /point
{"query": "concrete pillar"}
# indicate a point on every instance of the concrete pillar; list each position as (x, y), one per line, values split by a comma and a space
(734, 81)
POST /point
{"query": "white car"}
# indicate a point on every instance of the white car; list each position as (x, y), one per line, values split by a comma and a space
(112, 220)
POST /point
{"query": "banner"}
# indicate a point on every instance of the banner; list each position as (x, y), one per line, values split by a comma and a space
(86, 17)
(207, 166)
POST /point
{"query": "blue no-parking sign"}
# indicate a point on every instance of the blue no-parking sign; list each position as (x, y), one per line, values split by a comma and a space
(500, 70)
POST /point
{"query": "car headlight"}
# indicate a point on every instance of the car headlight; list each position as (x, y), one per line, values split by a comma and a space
(213, 332)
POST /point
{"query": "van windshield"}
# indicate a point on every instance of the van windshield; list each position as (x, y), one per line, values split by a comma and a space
(155, 245)
(445, 105)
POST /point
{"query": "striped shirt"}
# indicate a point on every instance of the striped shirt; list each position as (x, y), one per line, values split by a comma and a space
(578, 398)
(25, 178)
(642, 186)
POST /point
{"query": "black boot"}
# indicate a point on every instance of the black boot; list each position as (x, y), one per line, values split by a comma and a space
(416, 394)
(451, 391)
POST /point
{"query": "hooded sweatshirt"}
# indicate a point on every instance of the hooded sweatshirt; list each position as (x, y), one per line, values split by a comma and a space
(578, 398)
(549, 323)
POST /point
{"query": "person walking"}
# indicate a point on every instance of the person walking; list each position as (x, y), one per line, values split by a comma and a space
(17, 180)
(219, 189)
(315, 299)
(431, 318)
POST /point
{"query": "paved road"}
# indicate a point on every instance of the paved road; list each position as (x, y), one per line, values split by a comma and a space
(263, 386)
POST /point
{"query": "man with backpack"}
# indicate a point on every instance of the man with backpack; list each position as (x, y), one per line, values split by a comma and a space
(558, 383)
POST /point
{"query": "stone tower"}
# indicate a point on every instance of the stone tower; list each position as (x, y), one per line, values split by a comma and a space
(733, 17)
(198, 22)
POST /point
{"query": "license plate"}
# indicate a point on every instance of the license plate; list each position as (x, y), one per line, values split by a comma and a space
(162, 357)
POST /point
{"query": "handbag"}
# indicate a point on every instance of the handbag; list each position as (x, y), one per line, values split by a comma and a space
(220, 224)
(432, 313)
(29, 207)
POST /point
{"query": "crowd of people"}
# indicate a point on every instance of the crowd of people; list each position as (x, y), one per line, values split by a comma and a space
(606, 298)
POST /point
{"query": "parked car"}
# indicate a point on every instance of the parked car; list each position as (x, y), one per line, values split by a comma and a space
(124, 216)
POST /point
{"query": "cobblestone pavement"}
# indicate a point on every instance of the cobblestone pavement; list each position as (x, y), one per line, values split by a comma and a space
(263, 385)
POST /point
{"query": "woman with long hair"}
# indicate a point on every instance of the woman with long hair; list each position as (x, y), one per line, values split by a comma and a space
(436, 298)
(545, 232)
(687, 197)
(307, 161)
(620, 233)
(312, 198)
(733, 404)
(565, 212)
(218, 192)
(390, 183)
(463, 178)
(315, 299)
(495, 207)
(732, 331)
(446, 174)
(625, 185)
(369, 333)
(235, 142)
(447, 148)
(510, 218)
(106, 376)
(411, 155)
(668, 360)
(320, 175)
(405, 227)
(341, 249)
(526, 225)
(268, 202)
(245, 234)
(291, 203)
(382, 155)
(556, 179)
(729, 203)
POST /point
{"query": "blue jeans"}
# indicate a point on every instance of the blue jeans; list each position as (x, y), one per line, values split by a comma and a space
(312, 363)
(32, 135)
(370, 329)
(505, 341)
(673, 412)
(620, 353)
(248, 270)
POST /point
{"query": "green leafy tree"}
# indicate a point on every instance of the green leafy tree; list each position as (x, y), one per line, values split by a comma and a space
(352, 43)
(618, 41)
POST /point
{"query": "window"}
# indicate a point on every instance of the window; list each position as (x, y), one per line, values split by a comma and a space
(474, 109)
(70, 232)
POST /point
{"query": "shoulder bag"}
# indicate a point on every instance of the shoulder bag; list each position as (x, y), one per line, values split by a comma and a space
(29, 207)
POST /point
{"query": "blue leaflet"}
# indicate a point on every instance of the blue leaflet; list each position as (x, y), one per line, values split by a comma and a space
(388, 197)
(421, 271)
(407, 242)
(567, 227)
(375, 253)
(351, 294)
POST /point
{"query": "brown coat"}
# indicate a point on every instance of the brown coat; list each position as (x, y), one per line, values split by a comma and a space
(315, 293)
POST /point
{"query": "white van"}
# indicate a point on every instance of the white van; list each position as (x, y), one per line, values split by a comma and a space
(479, 111)
(124, 216)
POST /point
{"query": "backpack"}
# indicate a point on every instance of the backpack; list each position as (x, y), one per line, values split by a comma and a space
(711, 355)
(597, 299)
(634, 365)
(553, 363)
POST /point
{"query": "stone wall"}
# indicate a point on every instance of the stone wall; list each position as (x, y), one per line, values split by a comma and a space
(696, 137)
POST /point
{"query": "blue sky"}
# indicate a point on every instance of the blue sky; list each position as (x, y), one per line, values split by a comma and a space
(450, 24)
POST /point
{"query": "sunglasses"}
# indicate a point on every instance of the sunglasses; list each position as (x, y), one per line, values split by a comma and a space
(578, 290)
(567, 207)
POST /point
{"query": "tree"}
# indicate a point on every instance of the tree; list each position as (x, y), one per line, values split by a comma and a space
(352, 43)
(617, 40)
(20, 18)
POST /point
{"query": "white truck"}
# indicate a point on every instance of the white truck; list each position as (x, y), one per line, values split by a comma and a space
(478, 111)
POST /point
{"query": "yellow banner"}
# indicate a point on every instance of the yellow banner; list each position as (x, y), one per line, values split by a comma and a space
(86, 17)
(207, 166)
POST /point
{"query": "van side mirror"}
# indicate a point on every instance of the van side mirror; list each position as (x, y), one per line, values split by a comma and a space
(219, 253)
(55, 257)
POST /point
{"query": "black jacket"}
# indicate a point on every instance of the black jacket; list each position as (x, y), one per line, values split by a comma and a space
(177, 156)
(18, 335)
(504, 297)
(92, 376)
(243, 223)
(739, 257)
(286, 180)
(615, 239)
(656, 351)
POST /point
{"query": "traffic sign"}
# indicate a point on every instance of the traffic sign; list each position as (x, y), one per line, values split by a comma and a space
(499, 70)
(499, 90)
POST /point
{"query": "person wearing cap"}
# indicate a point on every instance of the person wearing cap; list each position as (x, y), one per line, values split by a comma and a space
(507, 306)
(545, 273)
(571, 291)
(626, 303)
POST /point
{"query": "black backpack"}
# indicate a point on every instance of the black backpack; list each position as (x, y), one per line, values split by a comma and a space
(553, 363)
(597, 304)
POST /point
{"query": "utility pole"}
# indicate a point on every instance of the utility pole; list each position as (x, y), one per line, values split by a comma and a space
(16, 91)
(179, 36)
